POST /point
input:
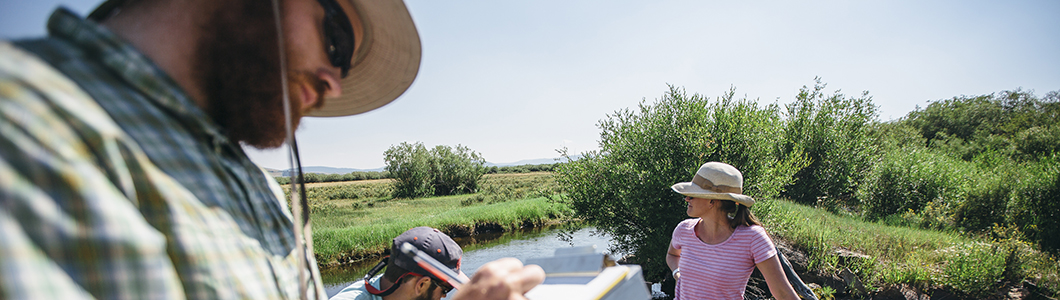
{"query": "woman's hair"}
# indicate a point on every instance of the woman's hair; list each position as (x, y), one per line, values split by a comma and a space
(742, 215)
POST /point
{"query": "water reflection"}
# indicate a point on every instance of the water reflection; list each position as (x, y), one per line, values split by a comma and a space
(483, 248)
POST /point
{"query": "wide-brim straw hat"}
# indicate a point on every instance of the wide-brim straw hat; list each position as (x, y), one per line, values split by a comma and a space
(716, 180)
(385, 63)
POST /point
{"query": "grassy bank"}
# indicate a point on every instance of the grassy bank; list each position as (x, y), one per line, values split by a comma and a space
(362, 223)
(978, 266)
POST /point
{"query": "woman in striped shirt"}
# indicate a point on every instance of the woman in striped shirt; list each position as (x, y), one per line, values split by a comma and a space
(713, 254)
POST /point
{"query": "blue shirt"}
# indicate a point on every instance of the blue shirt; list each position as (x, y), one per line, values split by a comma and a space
(357, 291)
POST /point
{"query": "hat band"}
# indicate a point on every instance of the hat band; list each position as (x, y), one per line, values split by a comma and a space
(706, 184)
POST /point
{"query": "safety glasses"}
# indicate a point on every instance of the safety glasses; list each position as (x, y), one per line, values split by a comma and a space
(338, 35)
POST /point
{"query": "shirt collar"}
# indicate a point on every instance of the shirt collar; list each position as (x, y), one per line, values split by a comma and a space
(133, 67)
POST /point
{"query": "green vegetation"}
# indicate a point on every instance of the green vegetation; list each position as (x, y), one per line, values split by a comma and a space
(440, 171)
(348, 229)
(919, 258)
(832, 134)
(980, 173)
(355, 176)
(522, 168)
(962, 194)
(625, 187)
(352, 176)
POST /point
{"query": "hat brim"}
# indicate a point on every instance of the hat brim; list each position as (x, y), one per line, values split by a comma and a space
(385, 63)
(692, 190)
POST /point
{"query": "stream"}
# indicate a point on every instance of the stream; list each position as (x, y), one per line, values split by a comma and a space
(481, 249)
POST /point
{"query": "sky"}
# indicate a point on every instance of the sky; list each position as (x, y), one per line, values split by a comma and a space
(516, 80)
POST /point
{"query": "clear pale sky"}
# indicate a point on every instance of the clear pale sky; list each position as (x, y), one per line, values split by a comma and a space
(517, 80)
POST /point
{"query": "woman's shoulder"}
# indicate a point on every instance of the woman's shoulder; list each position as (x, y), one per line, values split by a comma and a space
(751, 230)
(688, 223)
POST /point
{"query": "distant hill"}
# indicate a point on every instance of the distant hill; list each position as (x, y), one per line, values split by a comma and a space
(274, 172)
(332, 170)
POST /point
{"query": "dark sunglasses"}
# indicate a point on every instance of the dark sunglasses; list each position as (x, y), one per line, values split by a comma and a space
(445, 287)
(338, 35)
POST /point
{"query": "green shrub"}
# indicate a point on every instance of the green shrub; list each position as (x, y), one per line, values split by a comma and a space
(984, 203)
(1038, 141)
(455, 170)
(1035, 204)
(410, 166)
(441, 171)
(975, 268)
(909, 178)
(833, 132)
(1016, 123)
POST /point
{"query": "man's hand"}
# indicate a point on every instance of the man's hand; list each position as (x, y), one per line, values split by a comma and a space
(504, 278)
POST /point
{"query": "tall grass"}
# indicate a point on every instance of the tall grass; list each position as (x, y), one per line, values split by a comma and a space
(367, 234)
(349, 229)
(920, 258)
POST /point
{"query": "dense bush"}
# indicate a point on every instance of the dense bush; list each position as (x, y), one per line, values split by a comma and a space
(1003, 150)
(522, 169)
(911, 178)
(624, 188)
(833, 132)
(443, 170)
(1035, 205)
(455, 170)
(409, 165)
(1016, 123)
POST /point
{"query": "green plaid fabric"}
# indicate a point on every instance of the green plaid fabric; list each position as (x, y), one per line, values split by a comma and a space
(115, 185)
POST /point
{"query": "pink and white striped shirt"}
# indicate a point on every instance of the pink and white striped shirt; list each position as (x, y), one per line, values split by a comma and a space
(718, 271)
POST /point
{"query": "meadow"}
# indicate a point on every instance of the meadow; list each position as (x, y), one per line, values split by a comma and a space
(356, 220)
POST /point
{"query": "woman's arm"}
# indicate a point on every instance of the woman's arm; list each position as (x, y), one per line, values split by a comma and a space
(673, 259)
(778, 283)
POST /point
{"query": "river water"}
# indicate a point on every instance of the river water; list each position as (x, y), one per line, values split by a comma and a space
(482, 249)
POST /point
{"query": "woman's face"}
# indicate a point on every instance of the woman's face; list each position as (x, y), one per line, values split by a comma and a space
(698, 207)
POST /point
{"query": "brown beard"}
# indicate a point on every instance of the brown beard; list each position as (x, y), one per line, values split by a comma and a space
(238, 67)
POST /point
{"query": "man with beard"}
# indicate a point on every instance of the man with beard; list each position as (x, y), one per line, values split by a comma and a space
(121, 171)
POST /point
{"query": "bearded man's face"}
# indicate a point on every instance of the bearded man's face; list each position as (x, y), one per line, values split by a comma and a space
(238, 67)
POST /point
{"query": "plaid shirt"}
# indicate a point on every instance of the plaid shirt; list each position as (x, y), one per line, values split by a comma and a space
(115, 185)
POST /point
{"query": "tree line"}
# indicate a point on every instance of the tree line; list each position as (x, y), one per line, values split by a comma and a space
(369, 175)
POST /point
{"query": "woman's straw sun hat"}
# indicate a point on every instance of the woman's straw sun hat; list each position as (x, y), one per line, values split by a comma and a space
(716, 180)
